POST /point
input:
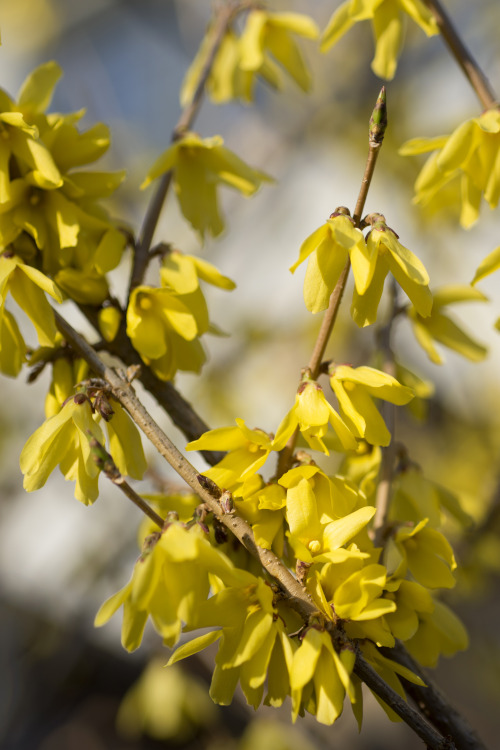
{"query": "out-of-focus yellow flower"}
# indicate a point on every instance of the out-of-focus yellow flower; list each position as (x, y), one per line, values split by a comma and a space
(240, 60)
(267, 32)
(438, 326)
(384, 253)
(388, 18)
(198, 166)
(471, 153)
(355, 388)
(12, 345)
(439, 632)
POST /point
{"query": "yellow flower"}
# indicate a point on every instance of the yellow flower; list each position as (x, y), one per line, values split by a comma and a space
(355, 388)
(49, 212)
(198, 165)
(247, 451)
(471, 153)
(267, 32)
(384, 253)
(169, 583)
(28, 286)
(425, 552)
(64, 440)
(239, 60)
(164, 330)
(12, 346)
(328, 249)
(411, 599)
(439, 632)
(312, 414)
(322, 514)
(438, 326)
(388, 19)
(317, 665)
(183, 273)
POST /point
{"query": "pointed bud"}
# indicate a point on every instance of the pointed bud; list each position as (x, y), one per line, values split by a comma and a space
(378, 120)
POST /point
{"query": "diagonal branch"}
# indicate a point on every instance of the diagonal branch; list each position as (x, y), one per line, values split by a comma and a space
(208, 491)
(469, 66)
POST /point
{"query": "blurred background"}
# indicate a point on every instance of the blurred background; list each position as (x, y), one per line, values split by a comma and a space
(68, 686)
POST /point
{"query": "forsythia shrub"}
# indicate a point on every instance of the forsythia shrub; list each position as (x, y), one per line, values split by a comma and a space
(309, 583)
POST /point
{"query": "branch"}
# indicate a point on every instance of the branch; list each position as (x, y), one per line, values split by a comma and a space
(225, 16)
(411, 717)
(434, 704)
(469, 66)
(219, 503)
(106, 464)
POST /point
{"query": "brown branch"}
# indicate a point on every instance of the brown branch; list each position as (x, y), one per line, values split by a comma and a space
(434, 704)
(469, 66)
(411, 717)
(225, 16)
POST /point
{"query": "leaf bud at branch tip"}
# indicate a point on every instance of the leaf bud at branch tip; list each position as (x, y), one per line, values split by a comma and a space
(378, 120)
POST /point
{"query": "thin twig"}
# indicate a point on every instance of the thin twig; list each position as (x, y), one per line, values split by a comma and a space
(225, 16)
(378, 124)
(105, 462)
(471, 69)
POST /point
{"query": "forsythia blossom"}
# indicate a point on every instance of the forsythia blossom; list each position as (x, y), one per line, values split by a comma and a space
(384, 254)
(388, 19)
(355, 388)
(198, 165)
(239, 60)
(472, 154)
(438, 326)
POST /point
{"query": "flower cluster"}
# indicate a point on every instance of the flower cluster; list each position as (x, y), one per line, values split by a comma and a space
(470, 154)
(263, 47)
(336, 242)
(55, 236)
